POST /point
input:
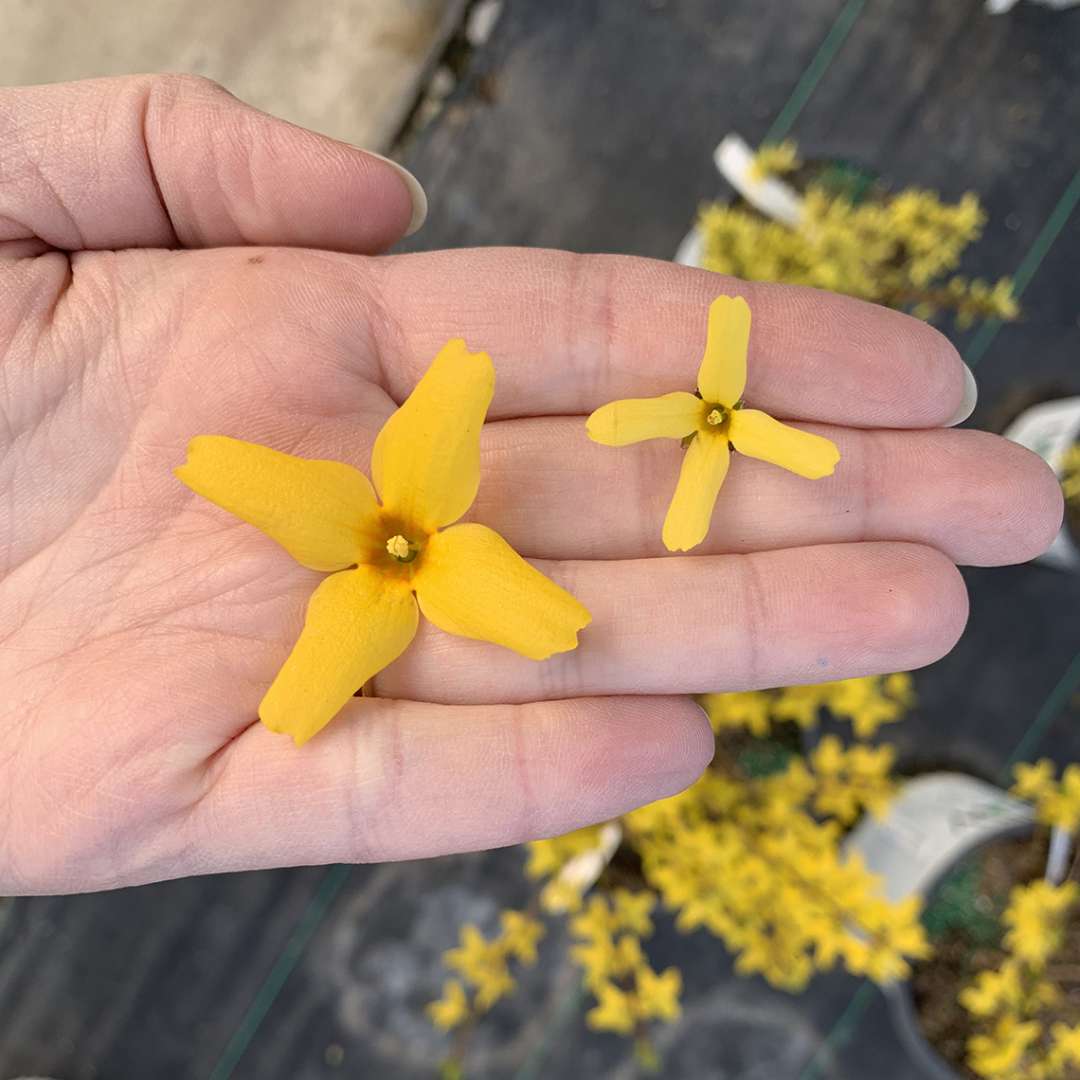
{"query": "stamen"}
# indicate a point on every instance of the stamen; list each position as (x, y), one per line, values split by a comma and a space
(717, 416)
(399, 548)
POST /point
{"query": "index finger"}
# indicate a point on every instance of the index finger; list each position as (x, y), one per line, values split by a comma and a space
(569, 333)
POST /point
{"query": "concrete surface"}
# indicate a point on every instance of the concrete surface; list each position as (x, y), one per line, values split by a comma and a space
(349, 68)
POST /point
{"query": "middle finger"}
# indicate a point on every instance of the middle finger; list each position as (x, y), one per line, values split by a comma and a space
(554, 494)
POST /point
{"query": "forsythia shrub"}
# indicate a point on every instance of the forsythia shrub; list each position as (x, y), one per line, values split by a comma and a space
(898, 249)
(750, 853)
(1011, 1001)
(1015, 1005)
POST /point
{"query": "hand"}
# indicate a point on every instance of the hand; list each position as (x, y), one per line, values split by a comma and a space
(154, 285)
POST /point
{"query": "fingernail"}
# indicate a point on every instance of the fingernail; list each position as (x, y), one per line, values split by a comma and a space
(416, 192)
(971, 396)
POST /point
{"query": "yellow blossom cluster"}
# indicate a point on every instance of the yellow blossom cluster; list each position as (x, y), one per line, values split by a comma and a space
(1011, 1001)
(896, 249)
(848, 781)
(1070, 474)
(745, 859)
(628, 991)
(1057, 802)
(484, 966)
(754, 859)
(866, 703)
(775, 159)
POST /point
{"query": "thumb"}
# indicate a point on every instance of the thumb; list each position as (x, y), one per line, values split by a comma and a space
(168, 161)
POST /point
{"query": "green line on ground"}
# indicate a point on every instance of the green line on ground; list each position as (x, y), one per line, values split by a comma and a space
(571, 1005)
(841, 1031)
(814, 71)
(287, 959)
(1030, 265)
(1044, 717)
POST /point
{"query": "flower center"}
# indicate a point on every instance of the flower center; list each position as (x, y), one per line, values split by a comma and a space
(404, 551)
(717, 416)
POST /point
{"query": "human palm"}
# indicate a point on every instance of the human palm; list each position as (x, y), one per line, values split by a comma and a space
(166, 271)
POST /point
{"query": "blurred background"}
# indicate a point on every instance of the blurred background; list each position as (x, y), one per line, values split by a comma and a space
(588, 126)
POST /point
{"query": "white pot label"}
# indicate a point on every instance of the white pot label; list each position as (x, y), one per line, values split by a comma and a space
(770, 195)
(933, 821)
(1049, 430)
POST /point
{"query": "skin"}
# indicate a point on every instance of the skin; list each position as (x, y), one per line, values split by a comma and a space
(174, 263)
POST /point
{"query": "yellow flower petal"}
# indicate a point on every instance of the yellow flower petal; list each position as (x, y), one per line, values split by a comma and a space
(316, 510)
(620, 423)
(426, 460)
(722, 375)
(704, 467)
(758, 435)
(357, 622)
(472, 583)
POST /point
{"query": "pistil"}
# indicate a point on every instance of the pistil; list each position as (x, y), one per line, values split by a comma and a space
(397, 547)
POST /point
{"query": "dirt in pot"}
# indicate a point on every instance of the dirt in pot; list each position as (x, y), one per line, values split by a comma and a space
(963, 919)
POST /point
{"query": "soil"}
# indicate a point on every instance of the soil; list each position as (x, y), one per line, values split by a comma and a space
(968, 940)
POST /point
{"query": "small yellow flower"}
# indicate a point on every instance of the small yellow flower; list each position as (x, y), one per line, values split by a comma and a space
(596, 921)
(775, 159)
(475, 956)
(614, 1011)
(658, 994)
(387, 559)
(713, 420)
(520, 936)
(452, 1008)
(1033, 781)
(1066, 1049)
(632, 911)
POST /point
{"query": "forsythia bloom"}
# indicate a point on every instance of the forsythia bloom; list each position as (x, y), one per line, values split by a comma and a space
(1070, 474)
(743, 855)
(1010, 1001)
(894, 249)
(452, 1008)
(1057, 803)
(485, 966)
(628, 992)
(851, 780)
(775, 159)
(1036, 917)
(387, 559)
(712, 422)
(1000, 1053)
(742, 858)
(866, 702)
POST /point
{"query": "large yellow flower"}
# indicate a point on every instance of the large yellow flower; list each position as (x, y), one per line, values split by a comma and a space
(387, 557)
(712, 420)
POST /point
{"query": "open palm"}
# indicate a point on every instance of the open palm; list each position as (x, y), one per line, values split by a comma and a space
(173, 263)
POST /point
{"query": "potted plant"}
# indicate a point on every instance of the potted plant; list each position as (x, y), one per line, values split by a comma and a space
(1052, 430)
(832, 224)
(998, 997)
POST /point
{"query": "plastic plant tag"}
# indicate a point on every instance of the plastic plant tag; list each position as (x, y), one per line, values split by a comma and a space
(1049, 430)
(999, 7)
(932, 823)
(583, 871)
(771, 196)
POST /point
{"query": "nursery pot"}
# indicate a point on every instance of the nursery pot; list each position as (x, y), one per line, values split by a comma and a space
(933, 822)
(1049, 429)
